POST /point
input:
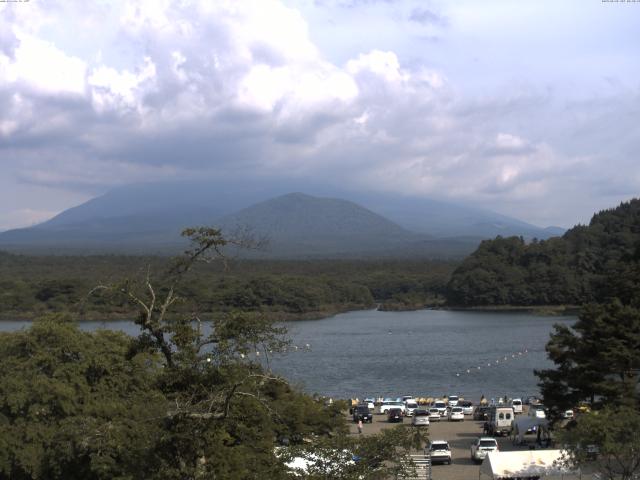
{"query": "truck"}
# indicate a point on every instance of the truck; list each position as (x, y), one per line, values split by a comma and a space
(500, 420)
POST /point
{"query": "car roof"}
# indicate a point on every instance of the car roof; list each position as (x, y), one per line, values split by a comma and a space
(488, 438)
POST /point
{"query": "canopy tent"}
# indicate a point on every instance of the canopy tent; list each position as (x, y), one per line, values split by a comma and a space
(528, 464)
(524, 424)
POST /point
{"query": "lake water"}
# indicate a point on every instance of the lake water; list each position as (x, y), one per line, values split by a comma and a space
(423, 353)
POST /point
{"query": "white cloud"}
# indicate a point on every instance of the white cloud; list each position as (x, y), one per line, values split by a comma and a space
(170, 89)
(43, 67)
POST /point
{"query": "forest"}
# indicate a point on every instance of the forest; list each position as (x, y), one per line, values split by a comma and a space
(36, 285)
(589, 263)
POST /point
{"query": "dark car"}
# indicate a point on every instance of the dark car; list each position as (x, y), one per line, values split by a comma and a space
(362, 412)
(481, 413)
(394, 415)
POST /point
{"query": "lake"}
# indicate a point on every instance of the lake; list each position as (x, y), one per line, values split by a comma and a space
(423, 353)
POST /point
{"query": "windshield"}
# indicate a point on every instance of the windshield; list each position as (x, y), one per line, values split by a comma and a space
(363, 409)
(439, 446)
(412, 405)
(434, 410)
(453, 398)
(456, 410)
(440, 405)
(488, 443)
(419, 413)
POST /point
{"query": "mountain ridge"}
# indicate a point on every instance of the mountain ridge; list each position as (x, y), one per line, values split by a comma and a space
(150, 217)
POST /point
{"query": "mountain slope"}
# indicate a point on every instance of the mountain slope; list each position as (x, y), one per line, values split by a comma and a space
(148, 218)
(302, 224)
(588, 263)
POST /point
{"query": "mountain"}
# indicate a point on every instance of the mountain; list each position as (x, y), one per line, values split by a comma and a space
(148, 218)
(299, 224)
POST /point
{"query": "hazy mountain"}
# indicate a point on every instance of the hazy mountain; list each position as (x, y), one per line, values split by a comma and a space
(149, 218)
(300, 224)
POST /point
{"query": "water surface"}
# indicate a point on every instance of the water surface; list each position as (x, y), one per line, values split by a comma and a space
(423, 353)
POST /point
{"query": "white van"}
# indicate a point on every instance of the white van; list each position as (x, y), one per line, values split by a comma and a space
(516, 404)
(500, 420)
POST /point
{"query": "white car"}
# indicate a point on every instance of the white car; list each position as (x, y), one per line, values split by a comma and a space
(567, 414)
(439, 451)
(456, 414)
(516, 403)
(386, 406)
(409, 406)
(420, 418)
(467, 407)
(481, 447)
(537, 411)
(453, 400)
(441, 406)
(434, 414)
(370, 403)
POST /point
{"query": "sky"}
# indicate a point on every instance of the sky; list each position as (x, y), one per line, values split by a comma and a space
(528, 108)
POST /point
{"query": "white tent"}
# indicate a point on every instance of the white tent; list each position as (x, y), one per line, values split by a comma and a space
(522, 465)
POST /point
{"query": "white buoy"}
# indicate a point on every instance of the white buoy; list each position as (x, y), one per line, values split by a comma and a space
(242, 355)
(257, 354)
(457, 374)
(468, 371)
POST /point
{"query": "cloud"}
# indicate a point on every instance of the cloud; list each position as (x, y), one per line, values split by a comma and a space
(145, 91)
(425, 16)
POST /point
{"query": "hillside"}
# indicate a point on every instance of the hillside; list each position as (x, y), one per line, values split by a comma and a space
(588, 263)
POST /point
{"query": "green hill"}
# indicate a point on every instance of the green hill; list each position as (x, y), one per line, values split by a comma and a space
(588, 263)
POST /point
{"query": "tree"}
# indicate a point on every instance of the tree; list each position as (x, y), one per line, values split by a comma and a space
(607, 441)
(597, 360)
(74, 406)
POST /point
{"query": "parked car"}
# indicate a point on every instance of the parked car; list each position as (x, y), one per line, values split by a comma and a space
(394, 415)
(434, 414)
(388, 405)
(420, 418)
(441, 406)
(404, 398)
(453, 400)
(439, 451)
(409, 406)
(371, 403)
(516, 404)
(467, 407)
(362, 412)
(481, 447)
(537, 411)
(481, 412)
(567, 414)
(500, 420)
(456, 414)
(531, 400)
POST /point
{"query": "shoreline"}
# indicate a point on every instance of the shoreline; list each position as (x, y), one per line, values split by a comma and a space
(328, 311)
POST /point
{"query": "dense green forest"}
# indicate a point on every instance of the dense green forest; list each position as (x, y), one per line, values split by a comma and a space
(587, 264)
(173, 402)
(35, 285)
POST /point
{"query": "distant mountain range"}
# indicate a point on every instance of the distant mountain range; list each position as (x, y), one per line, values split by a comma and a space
(149, 218)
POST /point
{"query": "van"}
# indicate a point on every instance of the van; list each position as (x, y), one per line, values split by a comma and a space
(516, 404)
(500, 420)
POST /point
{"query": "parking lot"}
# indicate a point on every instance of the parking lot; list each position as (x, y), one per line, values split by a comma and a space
(460, 435)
